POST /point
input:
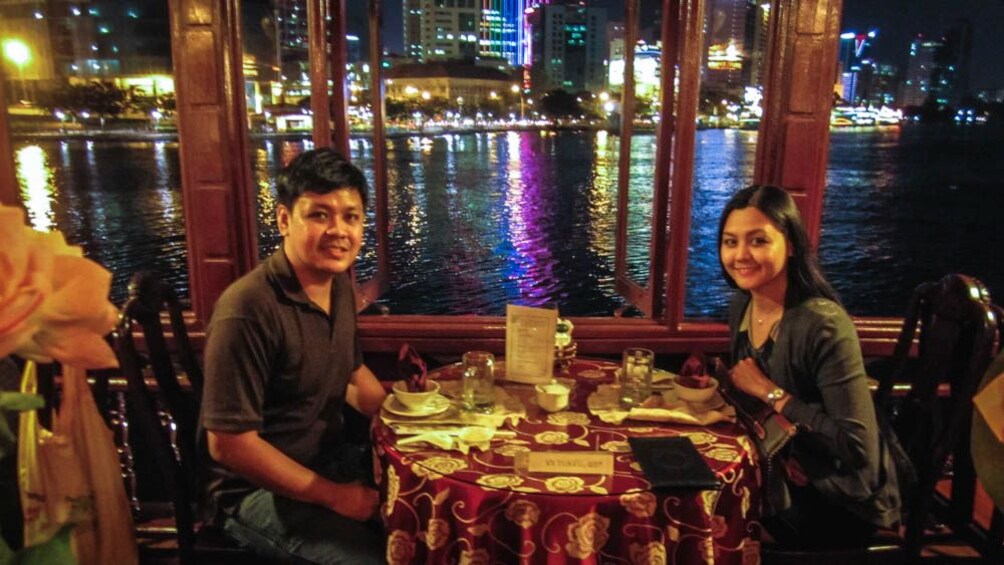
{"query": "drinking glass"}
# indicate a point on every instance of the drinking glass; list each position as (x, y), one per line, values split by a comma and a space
(636, 376)
(479, 382)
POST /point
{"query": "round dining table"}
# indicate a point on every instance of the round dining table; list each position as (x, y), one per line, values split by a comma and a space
(481, 507)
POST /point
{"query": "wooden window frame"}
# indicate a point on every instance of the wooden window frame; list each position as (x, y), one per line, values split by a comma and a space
(221, 227)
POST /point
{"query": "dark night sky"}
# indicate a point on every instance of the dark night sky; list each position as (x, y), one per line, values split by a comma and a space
(897, 21)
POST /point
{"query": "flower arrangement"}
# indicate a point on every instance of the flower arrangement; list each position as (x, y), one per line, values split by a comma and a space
(411, 368)
(54, 307)
(53, 301)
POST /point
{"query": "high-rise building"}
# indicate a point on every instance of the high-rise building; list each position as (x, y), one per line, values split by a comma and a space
(292, 40)
(568, 46)
(503, 31)
(920, 65)
(442, 29)
(615, 53)
(938, 70)
(950, 76)
(853, 63)
(728, 41)
(877, 84)
(757, 20)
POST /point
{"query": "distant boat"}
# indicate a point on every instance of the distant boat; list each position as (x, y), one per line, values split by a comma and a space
(843, 116)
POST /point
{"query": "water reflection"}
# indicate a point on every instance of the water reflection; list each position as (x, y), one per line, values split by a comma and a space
(37, 189)
(602, 203)
(725, 160)
(479, 220)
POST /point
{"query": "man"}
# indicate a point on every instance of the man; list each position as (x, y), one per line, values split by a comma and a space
(282, 358)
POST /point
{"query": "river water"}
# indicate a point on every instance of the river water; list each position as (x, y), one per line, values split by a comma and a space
(479, 220)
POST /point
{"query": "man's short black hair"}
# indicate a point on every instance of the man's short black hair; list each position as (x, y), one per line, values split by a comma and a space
(321, 171)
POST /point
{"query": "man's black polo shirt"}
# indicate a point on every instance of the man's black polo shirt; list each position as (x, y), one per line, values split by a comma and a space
(276, 363)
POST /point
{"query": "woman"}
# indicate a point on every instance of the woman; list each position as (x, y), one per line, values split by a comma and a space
(797, 351)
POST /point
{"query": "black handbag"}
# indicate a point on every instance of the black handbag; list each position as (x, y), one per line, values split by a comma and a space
(769, 430)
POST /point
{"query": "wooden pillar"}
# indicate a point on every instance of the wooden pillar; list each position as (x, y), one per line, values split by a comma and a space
(370, 290)
(798, 92)
(9, 193)
(339, 59)
(217, 186)
(320, 104)
(635, 294)
(683, 36)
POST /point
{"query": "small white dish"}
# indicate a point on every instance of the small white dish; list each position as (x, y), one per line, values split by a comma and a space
(415, 400)
(436, 405)
(553, 397)
(697, 395)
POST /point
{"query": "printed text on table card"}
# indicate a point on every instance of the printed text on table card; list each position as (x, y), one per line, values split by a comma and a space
(566, 462)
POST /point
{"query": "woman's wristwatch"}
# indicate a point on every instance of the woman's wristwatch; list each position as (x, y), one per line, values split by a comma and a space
(775, 395)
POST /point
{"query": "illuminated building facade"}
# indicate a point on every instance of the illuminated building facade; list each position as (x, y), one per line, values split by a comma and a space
(861, 81)
(503, 31)
(85, 40)
(917, 83)
(937, 71)
(289, 19)
(950, 75)
(728, 41)
(647, 58)
(463, 84)
(757, 19)
(568, 47)
(853, 64)
(442, 29)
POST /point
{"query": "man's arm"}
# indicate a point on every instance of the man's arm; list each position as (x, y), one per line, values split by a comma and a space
(248, 455)
(365, 393)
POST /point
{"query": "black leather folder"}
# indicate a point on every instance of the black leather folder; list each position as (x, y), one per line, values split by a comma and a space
(673, 462)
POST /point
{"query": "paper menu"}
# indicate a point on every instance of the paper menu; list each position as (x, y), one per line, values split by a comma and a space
(529, 343)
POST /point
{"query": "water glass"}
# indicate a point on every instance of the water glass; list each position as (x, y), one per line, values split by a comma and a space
(479, 382)
(636, 376)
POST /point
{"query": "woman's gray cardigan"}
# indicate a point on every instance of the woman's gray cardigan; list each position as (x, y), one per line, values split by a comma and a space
(816, 358)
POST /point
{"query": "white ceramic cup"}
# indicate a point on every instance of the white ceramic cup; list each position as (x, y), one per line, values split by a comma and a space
(415, 400)
(553, 397)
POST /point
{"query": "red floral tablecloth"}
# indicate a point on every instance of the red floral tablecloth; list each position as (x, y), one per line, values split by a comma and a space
(446, 507)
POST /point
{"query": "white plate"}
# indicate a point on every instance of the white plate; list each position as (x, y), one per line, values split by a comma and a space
(437, 405)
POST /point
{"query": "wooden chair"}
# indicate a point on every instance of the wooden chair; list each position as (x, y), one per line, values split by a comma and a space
(957, 328)
(956, 336)
(165, 412)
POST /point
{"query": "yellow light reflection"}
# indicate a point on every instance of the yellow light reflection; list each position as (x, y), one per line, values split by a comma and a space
(37, 189)
(266, 196)
(603, 196)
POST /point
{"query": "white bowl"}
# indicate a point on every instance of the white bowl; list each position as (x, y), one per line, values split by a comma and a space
(415, 400)
(688, 394)
(553, 397)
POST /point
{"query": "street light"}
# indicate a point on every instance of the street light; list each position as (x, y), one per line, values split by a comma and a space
(17, 52)
(517, 90)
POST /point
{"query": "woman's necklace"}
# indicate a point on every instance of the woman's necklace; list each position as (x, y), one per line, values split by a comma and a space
(762, 319)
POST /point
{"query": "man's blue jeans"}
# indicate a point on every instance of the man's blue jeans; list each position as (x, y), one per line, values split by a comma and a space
(289, 531)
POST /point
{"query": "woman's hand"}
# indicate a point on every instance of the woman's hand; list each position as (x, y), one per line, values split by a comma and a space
(747, 377)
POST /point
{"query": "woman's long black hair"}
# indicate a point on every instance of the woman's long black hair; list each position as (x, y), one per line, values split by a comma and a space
(805, 277)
